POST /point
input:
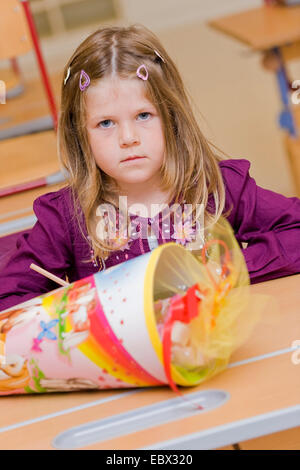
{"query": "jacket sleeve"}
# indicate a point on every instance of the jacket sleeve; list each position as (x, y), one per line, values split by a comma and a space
(268, 222)
(48, 244)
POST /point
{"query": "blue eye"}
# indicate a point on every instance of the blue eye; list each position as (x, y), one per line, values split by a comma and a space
(144, 116)
(103, 123)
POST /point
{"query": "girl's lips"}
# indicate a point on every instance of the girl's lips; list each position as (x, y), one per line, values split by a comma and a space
(129, 159)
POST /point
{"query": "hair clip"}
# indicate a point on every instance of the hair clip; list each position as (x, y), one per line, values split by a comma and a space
(84, 84)
(158, 55)
(141, 75)
(68, 74)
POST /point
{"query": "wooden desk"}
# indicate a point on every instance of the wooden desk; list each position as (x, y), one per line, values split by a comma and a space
(273, 28)
(22, 160)
(20, 204)
(264, 27)
(16, 211)
(263, 397)
(25, 158)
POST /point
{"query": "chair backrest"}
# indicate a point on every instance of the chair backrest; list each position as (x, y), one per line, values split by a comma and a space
(15, 39)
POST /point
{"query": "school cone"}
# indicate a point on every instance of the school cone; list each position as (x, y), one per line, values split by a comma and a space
(166, 317)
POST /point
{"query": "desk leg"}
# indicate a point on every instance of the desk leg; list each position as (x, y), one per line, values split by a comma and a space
(286, 119)
(232, 447)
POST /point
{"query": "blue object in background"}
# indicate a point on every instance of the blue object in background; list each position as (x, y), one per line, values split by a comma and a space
(286, 119)
(286, 122)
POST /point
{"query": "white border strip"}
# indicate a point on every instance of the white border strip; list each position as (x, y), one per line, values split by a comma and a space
(68, 411)
(139, 419)
(237, 431)
(279, 352)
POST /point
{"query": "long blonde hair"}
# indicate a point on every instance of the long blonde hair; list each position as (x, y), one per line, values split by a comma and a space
(190, 169)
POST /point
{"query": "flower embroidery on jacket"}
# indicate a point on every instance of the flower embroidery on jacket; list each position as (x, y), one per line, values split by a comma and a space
(183, 233)
(120, 243)
(115, 232)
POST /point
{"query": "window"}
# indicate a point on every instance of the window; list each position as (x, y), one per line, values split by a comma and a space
(58, 16)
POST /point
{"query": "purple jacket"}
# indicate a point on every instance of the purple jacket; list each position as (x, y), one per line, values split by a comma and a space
(268, 222)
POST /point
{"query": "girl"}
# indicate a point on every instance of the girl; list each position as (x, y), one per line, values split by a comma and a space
(127, 133)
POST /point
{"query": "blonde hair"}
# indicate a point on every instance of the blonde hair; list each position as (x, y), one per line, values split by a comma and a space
(190, 168)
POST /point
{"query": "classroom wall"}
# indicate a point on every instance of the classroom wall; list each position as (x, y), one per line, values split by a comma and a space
(161, 14)
(237, 102)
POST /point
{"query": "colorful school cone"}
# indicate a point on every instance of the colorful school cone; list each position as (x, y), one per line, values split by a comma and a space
(166, 317)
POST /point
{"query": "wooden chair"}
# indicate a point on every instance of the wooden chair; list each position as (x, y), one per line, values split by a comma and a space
(15, 38)
(18, 36)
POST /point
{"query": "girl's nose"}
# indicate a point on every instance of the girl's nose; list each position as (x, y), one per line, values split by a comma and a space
(128, 135)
